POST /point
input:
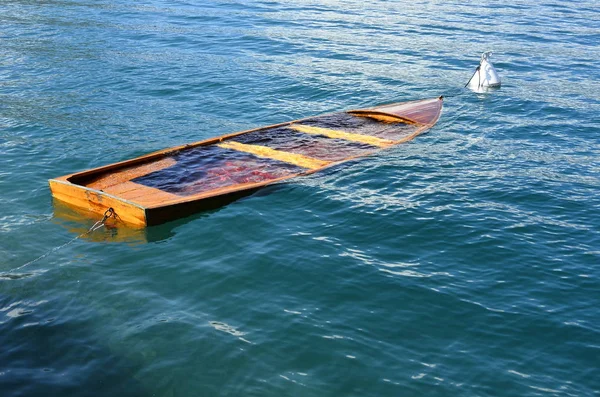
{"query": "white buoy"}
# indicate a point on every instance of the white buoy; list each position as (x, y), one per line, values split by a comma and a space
(485, 75)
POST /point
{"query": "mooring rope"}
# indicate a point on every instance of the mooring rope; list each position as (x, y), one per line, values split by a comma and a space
(457, 92)
(101, 223)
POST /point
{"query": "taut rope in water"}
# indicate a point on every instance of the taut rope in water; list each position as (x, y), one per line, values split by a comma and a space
(101, 223)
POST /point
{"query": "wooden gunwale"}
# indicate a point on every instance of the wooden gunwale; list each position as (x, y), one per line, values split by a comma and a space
(77, 180)
(205, 142)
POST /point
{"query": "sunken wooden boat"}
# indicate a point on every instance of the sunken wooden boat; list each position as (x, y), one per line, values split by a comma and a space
(182, 180)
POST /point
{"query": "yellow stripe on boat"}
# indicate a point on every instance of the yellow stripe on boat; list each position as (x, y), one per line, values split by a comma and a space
(370, 140)
(287, 157)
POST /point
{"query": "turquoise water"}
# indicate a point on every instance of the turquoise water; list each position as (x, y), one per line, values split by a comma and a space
(464, 263)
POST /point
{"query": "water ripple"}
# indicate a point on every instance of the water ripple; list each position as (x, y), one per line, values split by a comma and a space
(462, 263)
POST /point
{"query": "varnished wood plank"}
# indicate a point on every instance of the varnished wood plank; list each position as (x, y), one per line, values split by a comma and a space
(347, 136)
(287, 157)
(121, 188)
(129, 173)
(146, 195)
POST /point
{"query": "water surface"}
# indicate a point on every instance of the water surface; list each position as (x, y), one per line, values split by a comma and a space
(464, 263)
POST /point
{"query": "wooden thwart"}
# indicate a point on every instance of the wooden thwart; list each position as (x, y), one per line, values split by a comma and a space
(129, 173)
(287, 157)
(141, 194)
(369, 140)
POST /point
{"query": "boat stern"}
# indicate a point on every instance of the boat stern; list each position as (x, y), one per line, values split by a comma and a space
(96, 202)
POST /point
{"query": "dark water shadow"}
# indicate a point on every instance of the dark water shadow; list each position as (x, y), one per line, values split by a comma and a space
(43, 354)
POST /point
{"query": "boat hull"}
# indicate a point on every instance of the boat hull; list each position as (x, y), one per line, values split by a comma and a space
(179, 181)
